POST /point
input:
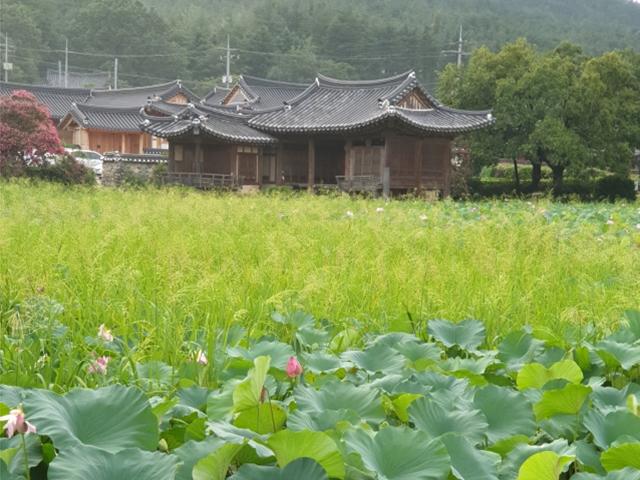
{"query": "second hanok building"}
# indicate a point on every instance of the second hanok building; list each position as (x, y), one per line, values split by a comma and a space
(332, 131)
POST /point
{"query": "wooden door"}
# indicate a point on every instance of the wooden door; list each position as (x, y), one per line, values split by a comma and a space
(248, 168)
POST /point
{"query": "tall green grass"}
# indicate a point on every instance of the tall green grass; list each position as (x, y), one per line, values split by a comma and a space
(165, 263)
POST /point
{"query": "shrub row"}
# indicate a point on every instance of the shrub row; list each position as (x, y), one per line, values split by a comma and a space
(66, 170)
(609, 188)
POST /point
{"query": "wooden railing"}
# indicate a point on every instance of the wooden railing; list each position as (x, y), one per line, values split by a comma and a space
(360, 183)
(204, 181)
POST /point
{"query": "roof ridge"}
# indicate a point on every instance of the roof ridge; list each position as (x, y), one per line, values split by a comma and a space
(176, 82)
(274, 83)
(49, 88)
(106, 108)
(468, 112)
(365, 83)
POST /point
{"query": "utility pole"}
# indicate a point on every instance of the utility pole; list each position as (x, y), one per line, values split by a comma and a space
(459, 52)
(227, 77)
(59, 73)
(66, 62)
(115, 74)
(6, 58)
(460, 48)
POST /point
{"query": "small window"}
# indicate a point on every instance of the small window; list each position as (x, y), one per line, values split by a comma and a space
(177, 153)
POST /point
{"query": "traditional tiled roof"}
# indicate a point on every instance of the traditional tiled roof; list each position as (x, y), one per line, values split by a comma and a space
(264, 94)
(330, 105)
(164, 108)
(58, 100)
(216, 96)
(225, 126)
(138, 96)
(116, 119)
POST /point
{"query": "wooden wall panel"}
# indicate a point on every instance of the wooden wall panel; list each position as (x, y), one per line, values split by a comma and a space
(178, 99)
(401, 161)
(218, 159)
(294, 163)
(436, 163)
(415, 99)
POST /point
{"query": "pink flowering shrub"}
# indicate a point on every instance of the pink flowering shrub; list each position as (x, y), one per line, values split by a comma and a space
(27, 132)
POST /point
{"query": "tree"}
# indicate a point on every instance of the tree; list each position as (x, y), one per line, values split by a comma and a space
(27, 132)
(561, 108)
(126, 27)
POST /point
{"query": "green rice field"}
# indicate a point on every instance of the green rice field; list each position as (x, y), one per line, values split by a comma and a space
(169, 262)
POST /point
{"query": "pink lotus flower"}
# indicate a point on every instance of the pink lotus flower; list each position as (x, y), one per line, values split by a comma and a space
(201, 358)
(99, 366)
(293, 367)
(105, 334)
(16, 423)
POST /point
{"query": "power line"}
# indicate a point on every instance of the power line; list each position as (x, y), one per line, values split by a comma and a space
(427, 54)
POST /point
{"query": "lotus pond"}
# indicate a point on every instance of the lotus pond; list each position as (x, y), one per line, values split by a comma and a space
(324, 402)
(140, 337)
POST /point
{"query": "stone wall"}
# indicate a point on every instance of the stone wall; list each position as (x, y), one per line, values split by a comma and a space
(131, 169)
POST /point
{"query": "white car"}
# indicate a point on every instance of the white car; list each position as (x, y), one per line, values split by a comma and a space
(89, 159)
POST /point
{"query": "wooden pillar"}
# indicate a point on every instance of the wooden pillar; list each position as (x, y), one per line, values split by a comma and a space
(347, 159)
(279, 160)
(259, 166)
(171, 158)
(123, 143)
(199, 155)
(311, 164)
(418, 163)
(446, 169)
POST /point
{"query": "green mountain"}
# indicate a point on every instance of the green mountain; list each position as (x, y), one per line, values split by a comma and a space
(164, 39)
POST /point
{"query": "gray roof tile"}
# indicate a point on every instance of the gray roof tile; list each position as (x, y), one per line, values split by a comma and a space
(117, 119)
(331, 105)
(223, 125)
(138, 96)
(264, 94)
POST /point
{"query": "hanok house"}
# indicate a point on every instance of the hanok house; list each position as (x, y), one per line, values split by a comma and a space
(389, 131)
(105, 120)
(108, 120)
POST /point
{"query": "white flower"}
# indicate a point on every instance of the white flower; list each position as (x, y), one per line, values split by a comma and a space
(16, 423)
(638, 226)
(201, 358)
(610, 222)
(105, 334)
(349, 214)
(379, 210)
(423, 217)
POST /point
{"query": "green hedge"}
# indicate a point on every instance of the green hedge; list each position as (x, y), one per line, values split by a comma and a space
(609, 188)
